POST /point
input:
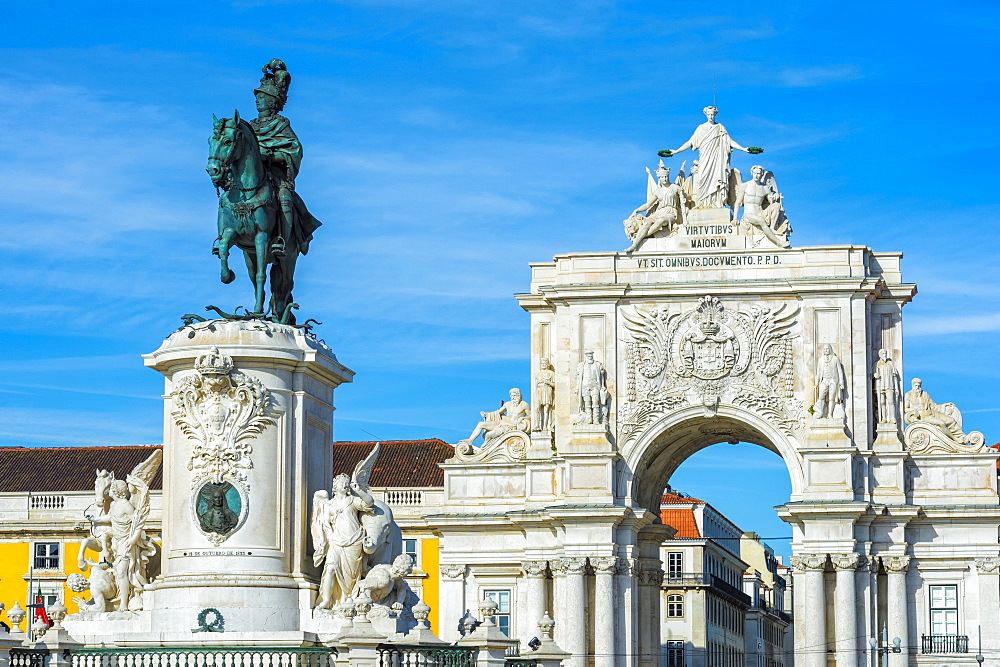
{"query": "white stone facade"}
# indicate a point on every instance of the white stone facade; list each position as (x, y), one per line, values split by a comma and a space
(725, 344)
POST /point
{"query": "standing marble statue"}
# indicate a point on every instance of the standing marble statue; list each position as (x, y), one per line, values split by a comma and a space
(351, 533)
(545, 393)
(592, 390)
(886, 389)
(714, 146)
(118, 519)
(513, 415)
(664, 208)
(831, 383)
(763, 211)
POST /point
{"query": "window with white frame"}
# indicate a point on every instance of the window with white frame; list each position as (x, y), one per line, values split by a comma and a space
(46, 556)
(410, 549)
(944, 610)
(675, 606)
(675, 564)
(675, 653)
(502, 599)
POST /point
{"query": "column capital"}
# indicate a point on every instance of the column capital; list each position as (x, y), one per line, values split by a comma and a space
(988, 565)
(572, 564)
(535, 568)
(803, 562)
(848, 561)
(896, 564)
(606, 564)
(452, 571)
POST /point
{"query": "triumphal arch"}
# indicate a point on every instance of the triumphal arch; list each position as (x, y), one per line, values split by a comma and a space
(711, 327)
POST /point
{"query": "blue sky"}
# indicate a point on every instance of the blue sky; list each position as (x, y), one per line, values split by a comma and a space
(447, 144)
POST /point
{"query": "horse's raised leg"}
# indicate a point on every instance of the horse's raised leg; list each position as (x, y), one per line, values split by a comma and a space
(223, 245)
(260, 246)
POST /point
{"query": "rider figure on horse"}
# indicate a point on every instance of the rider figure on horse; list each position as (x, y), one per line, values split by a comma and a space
(281, 153)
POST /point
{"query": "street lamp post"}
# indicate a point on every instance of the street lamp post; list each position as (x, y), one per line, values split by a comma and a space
(883, 651)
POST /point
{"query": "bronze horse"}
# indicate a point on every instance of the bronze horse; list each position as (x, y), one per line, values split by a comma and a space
(248, 211)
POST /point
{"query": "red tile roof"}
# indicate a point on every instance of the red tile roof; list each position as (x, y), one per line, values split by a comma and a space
(401, 463)
(682, 520)
(53, 469)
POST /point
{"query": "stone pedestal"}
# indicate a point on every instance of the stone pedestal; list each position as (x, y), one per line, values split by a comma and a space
(248, 406)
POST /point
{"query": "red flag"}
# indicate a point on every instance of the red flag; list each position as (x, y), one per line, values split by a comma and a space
(40, 608)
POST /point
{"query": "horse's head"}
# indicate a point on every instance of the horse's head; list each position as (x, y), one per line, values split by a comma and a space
(226, 146)
(102, 485)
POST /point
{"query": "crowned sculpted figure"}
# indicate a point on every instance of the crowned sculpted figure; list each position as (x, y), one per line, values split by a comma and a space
(513, 415)
(664, 208)
(351, 533)
(714, 146)
(545, 393)
(592, 390)
(118, 520)
(763, 212)
(831, 384)
(886, 389)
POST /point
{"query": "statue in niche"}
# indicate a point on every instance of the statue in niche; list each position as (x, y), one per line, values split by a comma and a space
(664, 209)
(214, 508)
(919, 407)
(385, 583)
(118, 532)
(514, 415)
(545, 393)
(351, 533)
(763, 212)
(592, 390)
(712, 181)
(886, 389)
(831, 385)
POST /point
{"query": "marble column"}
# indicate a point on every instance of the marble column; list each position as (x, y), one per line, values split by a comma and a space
(897, 622)
(627, 621)
(534, 597)
(987, 570)
(572, 617)
(846, 643)
(809, 570)
(451, 599)
(605, 610)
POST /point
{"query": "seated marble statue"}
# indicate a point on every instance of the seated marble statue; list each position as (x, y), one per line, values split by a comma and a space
(385, 584)
(763, 212)
(663, 209)
(918, 407)
(514, 415)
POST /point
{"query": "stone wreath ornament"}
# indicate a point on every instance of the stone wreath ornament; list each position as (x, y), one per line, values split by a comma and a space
(217, 624)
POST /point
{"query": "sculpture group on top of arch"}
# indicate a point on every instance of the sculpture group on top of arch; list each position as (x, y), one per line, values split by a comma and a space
(711, 184)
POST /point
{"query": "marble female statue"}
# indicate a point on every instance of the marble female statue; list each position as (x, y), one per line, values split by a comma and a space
(664, 209)
(351, 532)
(714, 145)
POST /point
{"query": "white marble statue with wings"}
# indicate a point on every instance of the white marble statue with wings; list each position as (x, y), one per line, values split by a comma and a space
(351, 532)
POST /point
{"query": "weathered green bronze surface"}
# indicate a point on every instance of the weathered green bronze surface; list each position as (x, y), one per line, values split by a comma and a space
(254, 165)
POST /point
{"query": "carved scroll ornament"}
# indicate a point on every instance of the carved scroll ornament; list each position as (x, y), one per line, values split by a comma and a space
(222, 410)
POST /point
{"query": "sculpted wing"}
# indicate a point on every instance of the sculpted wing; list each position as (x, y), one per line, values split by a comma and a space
(649, 333)
(146, 470)
(363, 471)
(650, 184)
(735, 181)
(317, 527)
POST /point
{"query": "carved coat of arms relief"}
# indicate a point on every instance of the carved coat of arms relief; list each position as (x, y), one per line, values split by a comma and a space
(707, 355)
(221, 410)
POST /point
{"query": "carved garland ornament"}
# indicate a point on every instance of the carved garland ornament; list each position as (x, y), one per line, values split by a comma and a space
(707, 355)
(222, 410)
